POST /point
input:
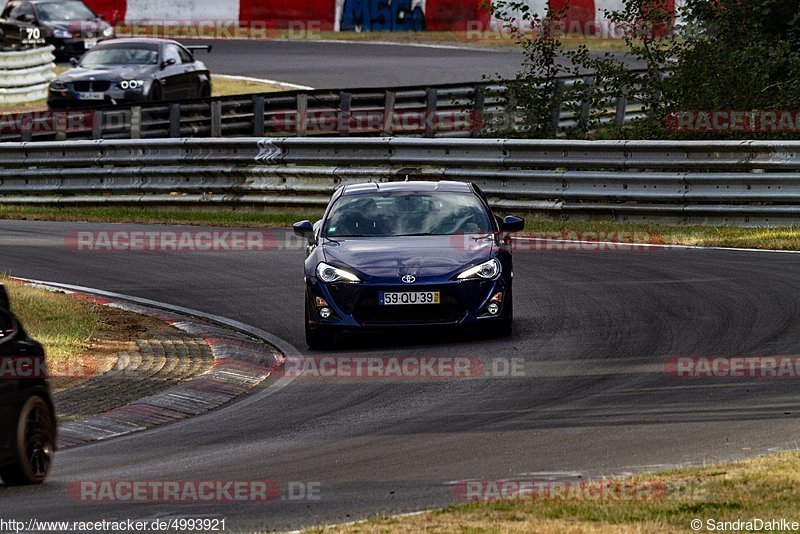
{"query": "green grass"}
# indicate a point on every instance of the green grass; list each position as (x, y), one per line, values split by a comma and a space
(221, 86)
(766, 487)
(780, 238)
(242, 218)
(63, 324)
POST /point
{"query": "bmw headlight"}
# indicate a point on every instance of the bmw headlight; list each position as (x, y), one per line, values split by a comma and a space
(108, 32)
(58, 85)
(131, 84)
(329, 273)
(62, 34)
(486, 270)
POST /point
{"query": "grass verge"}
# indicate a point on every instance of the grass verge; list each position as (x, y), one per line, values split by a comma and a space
(767, 488)
(779, 238)
(222, 86)
(63, 324)
(239, 218)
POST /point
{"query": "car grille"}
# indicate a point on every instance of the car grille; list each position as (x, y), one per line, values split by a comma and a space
(98, 86)
(368, 311)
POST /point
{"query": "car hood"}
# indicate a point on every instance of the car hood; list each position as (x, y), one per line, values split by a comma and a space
(113, 74)
(421, 256)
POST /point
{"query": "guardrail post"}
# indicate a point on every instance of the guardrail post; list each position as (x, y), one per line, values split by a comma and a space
(343, 123)
(622, 106)
(555, 114)
(136, 122)
(97, 125)
(388, 113)
(586, 105)
(431, 100)
(476, 121)
(61, 126)
(174, 120)
(258, 116)
(302, 114)
(216, 118)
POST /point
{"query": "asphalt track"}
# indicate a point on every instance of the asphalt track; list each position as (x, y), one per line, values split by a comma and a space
(350, 64)
(594, 329)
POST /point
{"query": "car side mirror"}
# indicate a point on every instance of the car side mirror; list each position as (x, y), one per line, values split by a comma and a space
(512, 224)
(304, 229)
(167, 63)
(5, 304)
(73, 61)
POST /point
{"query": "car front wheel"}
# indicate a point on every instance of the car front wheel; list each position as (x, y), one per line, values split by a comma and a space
(156, 94)
(34, 444)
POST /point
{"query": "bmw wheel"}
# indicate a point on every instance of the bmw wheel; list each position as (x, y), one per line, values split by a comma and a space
(34, 444)
(156, 93)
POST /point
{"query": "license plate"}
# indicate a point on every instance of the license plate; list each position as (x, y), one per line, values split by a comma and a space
(408, 297)
(91, 96)
(90, 43)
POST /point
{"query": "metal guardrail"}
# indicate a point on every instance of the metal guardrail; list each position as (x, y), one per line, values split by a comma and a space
(454, 110)
(755, 182)
(25, 75)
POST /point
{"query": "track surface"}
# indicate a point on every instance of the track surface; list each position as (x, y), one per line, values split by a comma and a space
(594, 328)
(341, 64)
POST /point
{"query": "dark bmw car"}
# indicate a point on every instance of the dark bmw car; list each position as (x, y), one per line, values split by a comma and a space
(130, 71)
(403, 254)
(27, 418)
(69, 25)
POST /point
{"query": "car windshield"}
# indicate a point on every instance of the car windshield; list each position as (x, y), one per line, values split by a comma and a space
(406, 213)
(50, 11)
(135, 55)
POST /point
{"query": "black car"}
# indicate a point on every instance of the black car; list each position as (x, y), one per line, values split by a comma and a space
(130, 71)
(70, 26)
(407, 254)
(27, 416)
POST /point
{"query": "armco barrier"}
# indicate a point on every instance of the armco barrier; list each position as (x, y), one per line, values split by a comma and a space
(752, 183)
(25, 75)
(449, 110)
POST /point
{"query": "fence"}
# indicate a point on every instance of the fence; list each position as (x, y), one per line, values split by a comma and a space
(723, 182)
(454, 110)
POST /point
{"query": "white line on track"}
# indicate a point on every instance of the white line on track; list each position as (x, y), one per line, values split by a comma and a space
(653, 245)
(266, 81)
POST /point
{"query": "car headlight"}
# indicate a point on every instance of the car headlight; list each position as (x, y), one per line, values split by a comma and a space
(329, 273)
(131, 84)
(108, 32)
(487, 270)
(58, 85)
(62, 34)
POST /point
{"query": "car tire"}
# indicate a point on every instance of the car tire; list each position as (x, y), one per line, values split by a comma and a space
(35, 443)
(156, 93)
(205, 91)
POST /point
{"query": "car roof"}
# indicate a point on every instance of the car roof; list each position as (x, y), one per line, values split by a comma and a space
(137, 40)
(418, 186)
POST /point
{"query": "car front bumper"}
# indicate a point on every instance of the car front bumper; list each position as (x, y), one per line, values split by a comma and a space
(355, 306)
(70, 99)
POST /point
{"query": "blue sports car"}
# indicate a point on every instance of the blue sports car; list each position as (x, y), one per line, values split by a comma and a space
(402, 254)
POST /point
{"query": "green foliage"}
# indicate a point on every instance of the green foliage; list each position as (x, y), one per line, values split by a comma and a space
(738, 55)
